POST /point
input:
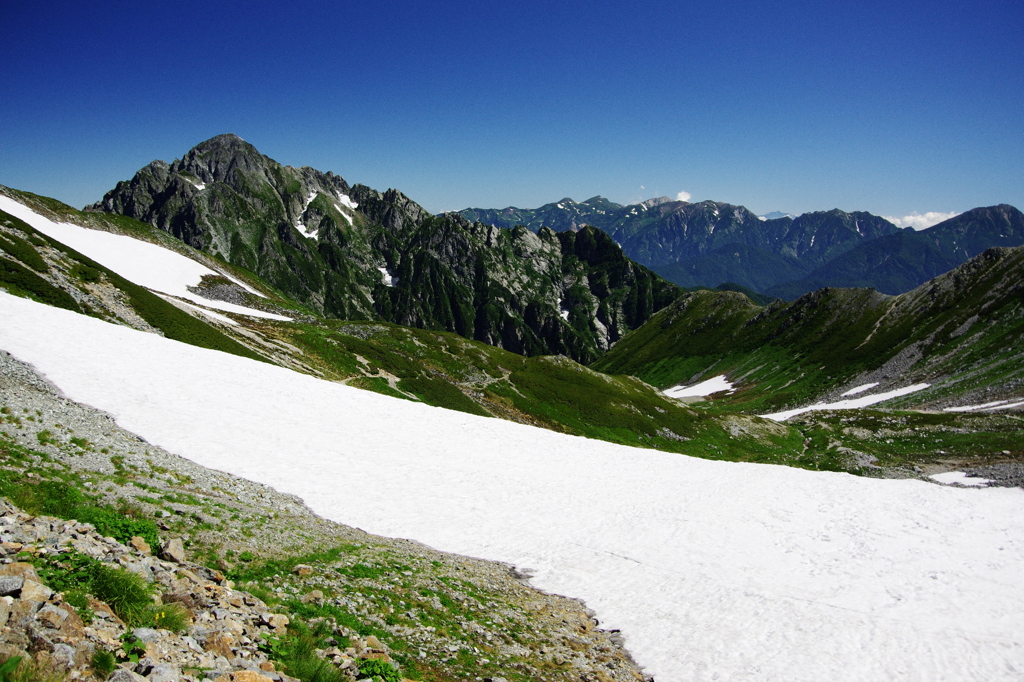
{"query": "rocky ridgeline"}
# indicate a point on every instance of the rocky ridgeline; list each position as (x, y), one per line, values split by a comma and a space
(222, 641)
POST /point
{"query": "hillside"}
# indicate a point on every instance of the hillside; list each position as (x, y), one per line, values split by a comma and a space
(960, 333)
(351, 252)
(216, 306)
(249, 560)
(677, 552)
(228, 309)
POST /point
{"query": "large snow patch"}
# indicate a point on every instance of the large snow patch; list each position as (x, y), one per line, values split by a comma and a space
(713, 570)
(146, 264)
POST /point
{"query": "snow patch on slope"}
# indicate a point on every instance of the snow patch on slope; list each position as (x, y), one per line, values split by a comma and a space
(860, 389)
(850, 404)
(299, 225)
(712, 570)
(994, 405)
(143, 263)
(704, 388)
(960, 478)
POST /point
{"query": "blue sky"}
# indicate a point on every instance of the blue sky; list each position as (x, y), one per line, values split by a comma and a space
(892, 108)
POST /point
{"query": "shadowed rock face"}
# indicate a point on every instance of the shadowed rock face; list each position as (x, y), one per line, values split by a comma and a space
(333, 247)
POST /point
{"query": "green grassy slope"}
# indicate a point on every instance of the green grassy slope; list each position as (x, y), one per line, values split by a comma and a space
(961, 332)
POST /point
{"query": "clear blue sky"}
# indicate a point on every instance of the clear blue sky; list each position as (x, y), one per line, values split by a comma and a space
(890, 107)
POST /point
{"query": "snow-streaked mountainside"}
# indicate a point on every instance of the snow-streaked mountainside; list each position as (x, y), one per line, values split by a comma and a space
(713, 570)
(150, 265)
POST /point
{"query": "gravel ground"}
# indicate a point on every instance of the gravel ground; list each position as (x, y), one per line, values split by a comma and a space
(1006, 475)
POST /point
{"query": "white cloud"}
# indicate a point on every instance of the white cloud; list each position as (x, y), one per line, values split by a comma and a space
(920, 221)
(683, 196)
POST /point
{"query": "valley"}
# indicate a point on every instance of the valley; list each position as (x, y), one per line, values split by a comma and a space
(527, 387)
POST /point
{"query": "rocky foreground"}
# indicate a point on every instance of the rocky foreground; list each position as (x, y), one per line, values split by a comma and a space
(251, 570)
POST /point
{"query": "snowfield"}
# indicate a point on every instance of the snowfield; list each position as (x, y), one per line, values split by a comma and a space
(146, 264)
(703, 389)
(849, 403)
(712, 570)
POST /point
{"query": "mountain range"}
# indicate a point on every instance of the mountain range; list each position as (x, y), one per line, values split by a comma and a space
(350, 252)
(679, 552)
(272, 286)
(709, 243)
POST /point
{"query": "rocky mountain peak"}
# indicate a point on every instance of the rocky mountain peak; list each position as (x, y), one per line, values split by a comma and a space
(215, 159)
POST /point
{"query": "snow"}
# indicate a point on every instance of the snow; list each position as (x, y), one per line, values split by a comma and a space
(704, 388)
(851, 404)
(143, 263)
(563, 310)
(209, 313)
(860, 389)
(959, 477)
(385, 274)
(712, 570)
(994, 405)
(344, 215)
(347, 201)
(199, 185)
(299, 225)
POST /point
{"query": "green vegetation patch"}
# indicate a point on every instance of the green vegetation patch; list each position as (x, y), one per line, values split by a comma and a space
(21, 281)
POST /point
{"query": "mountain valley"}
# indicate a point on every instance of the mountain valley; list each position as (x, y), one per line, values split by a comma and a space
(564, 318)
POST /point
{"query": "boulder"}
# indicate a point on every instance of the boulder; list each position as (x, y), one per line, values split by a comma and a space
(10, 584)
(140, 544)
(173, 550)
(21, 568)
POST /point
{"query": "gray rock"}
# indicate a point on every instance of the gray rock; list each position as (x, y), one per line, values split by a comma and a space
(63, 655)
(146, 634)
(173, 550)
(164, 672)
(9, 584)
(123, 675)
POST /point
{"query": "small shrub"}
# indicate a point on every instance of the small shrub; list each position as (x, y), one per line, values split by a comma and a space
(132, 648)
(297, 652)
(173, 617)
(46, 437)
(17, 669)
(85, 273)
(374, 668)
(103, 663)
(127, 593)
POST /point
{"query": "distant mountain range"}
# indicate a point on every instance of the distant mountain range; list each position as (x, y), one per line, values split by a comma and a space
(709, 243)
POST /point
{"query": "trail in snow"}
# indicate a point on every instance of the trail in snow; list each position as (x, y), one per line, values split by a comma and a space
(712, 570)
